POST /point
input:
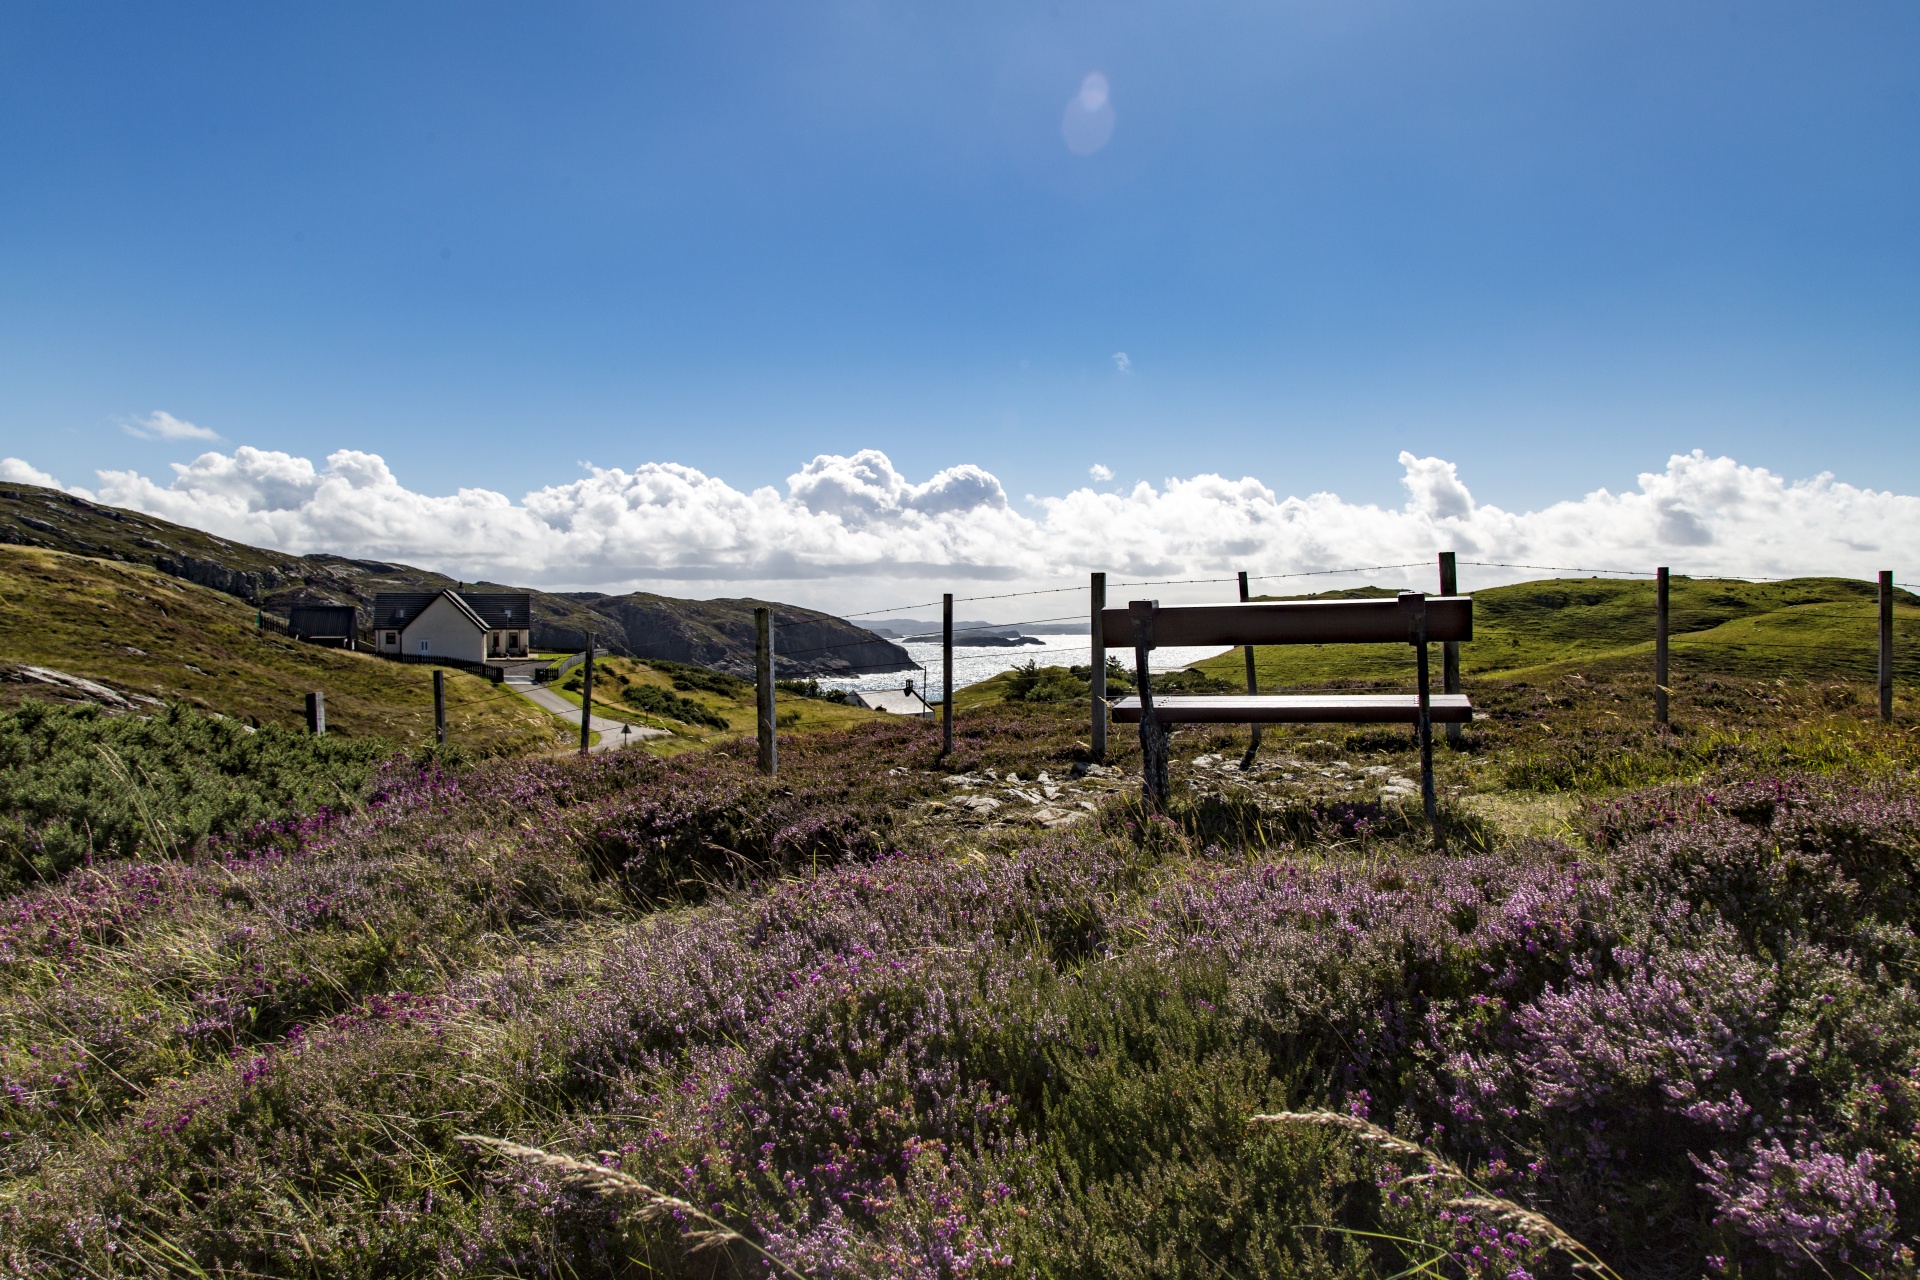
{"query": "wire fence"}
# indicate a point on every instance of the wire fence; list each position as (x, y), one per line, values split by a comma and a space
(1679, 644)
(1081, 586)
(896, 666)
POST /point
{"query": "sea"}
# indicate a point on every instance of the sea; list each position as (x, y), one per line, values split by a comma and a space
(972, 665)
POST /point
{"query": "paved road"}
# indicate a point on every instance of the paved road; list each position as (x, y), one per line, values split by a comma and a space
(611, 738)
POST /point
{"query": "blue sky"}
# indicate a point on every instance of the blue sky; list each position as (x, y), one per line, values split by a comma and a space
(1550, 243)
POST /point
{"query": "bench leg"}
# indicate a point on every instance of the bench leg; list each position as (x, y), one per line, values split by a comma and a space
(1153, 762)
(1427, 797)
(1253, 687)
(1153, 738)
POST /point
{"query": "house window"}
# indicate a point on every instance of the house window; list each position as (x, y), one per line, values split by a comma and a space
(426, 646)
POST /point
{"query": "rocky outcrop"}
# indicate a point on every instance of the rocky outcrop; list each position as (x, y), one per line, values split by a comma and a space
(718, 634)
(246, 584)
(60, 686)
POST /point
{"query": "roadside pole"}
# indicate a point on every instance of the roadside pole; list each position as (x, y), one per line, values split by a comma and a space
(440, 706)
(317, 713)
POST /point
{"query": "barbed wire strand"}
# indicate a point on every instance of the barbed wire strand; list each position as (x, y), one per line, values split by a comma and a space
(1157, 582)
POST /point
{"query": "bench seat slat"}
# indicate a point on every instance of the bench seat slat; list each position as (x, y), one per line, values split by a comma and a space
(1294, 708)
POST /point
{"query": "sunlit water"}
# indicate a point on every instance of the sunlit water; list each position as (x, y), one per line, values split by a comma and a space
(971, 666)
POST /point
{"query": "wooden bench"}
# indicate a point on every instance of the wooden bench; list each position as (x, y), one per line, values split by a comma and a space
(1412, 619)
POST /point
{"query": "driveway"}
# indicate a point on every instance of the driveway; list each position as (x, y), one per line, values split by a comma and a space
(611, 738)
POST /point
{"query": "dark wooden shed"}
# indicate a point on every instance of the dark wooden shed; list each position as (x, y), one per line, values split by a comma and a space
(329, 624)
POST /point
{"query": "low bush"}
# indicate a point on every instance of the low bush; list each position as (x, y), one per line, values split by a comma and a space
(1030, 682)
(663, 702)
(78, 785)
(810, 688)
(688, 678)
(1119, 678)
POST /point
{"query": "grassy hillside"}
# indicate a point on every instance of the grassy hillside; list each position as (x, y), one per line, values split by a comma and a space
(722, 697)
(1811, 628)
(140, 630)
(715, 633)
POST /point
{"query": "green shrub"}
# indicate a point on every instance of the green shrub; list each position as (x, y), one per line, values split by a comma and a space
(688, 678)
(1030, 682)
(810, 688)
(76, 783)
(662, 702)
(1194, 680)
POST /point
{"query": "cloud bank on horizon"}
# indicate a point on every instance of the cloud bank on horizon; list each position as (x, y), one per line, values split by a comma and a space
(853, 533)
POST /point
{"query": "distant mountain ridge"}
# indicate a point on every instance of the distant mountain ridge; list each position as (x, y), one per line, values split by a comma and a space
(709, 633)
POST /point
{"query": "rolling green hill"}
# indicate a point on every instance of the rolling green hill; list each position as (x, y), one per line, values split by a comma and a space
(139, 631)
(710, 633)
(1814, 629)
(1810, 628)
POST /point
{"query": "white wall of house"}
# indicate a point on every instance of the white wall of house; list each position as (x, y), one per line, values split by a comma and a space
(446, 632)
(504, 643)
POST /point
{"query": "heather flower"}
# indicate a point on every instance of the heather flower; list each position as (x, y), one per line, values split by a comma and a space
(1805, 1206)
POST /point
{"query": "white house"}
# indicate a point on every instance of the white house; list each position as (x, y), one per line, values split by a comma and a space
(453, 626)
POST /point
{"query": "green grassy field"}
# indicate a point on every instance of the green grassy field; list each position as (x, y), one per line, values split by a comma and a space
(1771, 676)
(735, 707)
(139, 630)
(1809, 628)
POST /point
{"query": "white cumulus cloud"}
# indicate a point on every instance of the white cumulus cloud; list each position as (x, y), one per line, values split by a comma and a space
(852, 532)
(161, 425)
(19, 471)
(1101, 472)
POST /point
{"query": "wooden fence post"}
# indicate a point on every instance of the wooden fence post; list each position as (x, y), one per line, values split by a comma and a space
(586, 700)
(946, 674)
(1413, 606)
(1097, 680)
(1450, 649)
(317, 713)
(1886, 644)
(1660, 646)
(763, 688)
(440, 706)
(1253, 687)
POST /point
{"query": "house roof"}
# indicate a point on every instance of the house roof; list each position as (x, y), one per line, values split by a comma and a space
(897, 701)
(398, 608)
(502, 610)
(453, 598)
(492, 611)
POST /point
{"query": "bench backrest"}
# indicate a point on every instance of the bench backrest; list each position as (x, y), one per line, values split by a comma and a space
(1294, 622)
